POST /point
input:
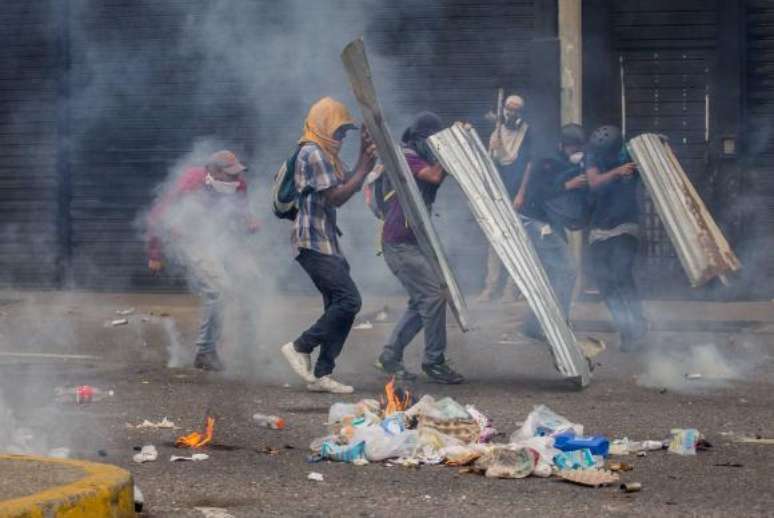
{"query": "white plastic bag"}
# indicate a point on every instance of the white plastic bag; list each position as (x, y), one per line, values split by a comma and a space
(381, 444)
(544, 447)
(544, 421)
(444, 409)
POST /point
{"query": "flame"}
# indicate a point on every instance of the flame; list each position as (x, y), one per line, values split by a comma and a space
(196, 439)
(394, 402)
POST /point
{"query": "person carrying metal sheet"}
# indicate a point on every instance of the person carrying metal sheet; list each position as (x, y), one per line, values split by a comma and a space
(426, 308)
(213, 197)
(556, 200)
(323, 185)
(509, 146)
(614, 231)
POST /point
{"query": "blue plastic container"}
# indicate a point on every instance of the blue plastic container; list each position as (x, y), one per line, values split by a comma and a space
(598, 444)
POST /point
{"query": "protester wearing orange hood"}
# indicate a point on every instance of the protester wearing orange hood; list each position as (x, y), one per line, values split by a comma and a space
(323, 185)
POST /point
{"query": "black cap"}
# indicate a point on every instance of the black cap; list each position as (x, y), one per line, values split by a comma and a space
(572, 135)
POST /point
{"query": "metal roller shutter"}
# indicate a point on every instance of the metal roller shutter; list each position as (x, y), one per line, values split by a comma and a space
(665, 51)
(758, 186)
(29, 187)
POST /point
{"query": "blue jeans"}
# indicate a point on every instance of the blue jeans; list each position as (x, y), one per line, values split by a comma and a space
(211, 320)
(426, 305)
(341, 302)
(554, 253)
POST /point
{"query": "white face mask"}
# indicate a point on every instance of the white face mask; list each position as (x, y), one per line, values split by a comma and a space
(220, 186)
(576, 158)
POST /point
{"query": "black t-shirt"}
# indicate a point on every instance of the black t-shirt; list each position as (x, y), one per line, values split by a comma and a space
(616, 202)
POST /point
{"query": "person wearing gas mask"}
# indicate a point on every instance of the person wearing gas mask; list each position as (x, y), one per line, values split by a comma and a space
(509, 146)
(556, 200)
(614, 231)
(204, 202)
(323, 185)
(426, 309)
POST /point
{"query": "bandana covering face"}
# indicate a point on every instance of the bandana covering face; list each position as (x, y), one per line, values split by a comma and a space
(324, 118)
(425, 124)
(221, 186)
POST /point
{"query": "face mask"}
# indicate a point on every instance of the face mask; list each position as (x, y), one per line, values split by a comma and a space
(576, 158)
(221, 187)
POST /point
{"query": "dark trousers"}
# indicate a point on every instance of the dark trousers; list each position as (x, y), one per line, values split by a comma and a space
(341, 300)
(426, 307)
(613, 265)
(554, 254)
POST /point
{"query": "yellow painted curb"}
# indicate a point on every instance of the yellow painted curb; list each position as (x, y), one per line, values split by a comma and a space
(103, 491)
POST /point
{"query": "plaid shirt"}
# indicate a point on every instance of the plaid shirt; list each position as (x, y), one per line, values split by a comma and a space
(315, 224)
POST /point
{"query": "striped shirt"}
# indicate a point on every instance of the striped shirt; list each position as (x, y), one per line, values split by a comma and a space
(315, 224)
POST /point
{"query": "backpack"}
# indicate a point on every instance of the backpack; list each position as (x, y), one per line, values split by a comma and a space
(284, 193)
(377, 190)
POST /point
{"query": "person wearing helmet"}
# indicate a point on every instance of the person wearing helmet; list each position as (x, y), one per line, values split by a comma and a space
(510, 148)
(556, 200)
(614, 231)
(206, 203)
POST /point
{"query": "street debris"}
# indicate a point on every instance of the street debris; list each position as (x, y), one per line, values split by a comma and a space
(684, 441)
(631, 487)
(196, 457)
(139, 499)
(317, 477)
(81, 394)
(729, 465)
(163, 424)
(693, 375)
(125, 312)
(119, 322)
(196, 439)
(214, 512)
(364, 326)
(753, 440)
(268, 450)
(589, 477)
(399, 430)
(148, 453)
(269, 421)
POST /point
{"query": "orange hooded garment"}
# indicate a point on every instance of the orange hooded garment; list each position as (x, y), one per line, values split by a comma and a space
(324, 118)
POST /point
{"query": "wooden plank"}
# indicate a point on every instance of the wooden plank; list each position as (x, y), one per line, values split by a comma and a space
(395, 166)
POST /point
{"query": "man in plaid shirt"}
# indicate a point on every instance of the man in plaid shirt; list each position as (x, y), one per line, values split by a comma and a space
(324, 185)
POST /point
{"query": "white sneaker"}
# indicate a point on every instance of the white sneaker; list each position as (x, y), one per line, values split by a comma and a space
(300, 363)
(328, 384)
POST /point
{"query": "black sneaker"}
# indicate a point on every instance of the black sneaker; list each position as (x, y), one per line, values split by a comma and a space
(442, 373)
(208, 362)
(394, 368)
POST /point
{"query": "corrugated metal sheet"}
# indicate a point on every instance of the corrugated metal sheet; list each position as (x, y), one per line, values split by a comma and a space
(29, 188)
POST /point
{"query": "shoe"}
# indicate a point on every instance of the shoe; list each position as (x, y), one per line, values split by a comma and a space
(208, 362)
(328, 384)
(442, 373)
(394, 368)
(301, 363)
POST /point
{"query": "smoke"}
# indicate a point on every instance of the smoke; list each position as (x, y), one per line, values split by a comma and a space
(699, 368)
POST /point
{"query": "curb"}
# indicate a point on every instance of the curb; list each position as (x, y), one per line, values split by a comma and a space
(104, 490)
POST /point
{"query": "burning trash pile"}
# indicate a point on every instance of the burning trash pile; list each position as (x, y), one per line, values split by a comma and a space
(409, 433)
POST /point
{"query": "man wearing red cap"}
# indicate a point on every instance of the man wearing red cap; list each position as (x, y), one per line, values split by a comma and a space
(216, 190)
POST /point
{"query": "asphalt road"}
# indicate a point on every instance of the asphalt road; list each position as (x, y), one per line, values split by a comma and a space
(507, 376)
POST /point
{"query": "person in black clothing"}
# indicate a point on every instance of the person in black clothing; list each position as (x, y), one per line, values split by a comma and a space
(614, 231)
(556, 199)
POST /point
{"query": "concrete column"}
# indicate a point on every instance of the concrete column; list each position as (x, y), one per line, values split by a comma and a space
(571, 63)
(571, 60)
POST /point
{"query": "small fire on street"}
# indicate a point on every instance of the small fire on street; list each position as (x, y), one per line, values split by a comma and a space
(196, 439)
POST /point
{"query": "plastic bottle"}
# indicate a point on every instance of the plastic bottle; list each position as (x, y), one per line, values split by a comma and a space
(82, 394)
(269, 421)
